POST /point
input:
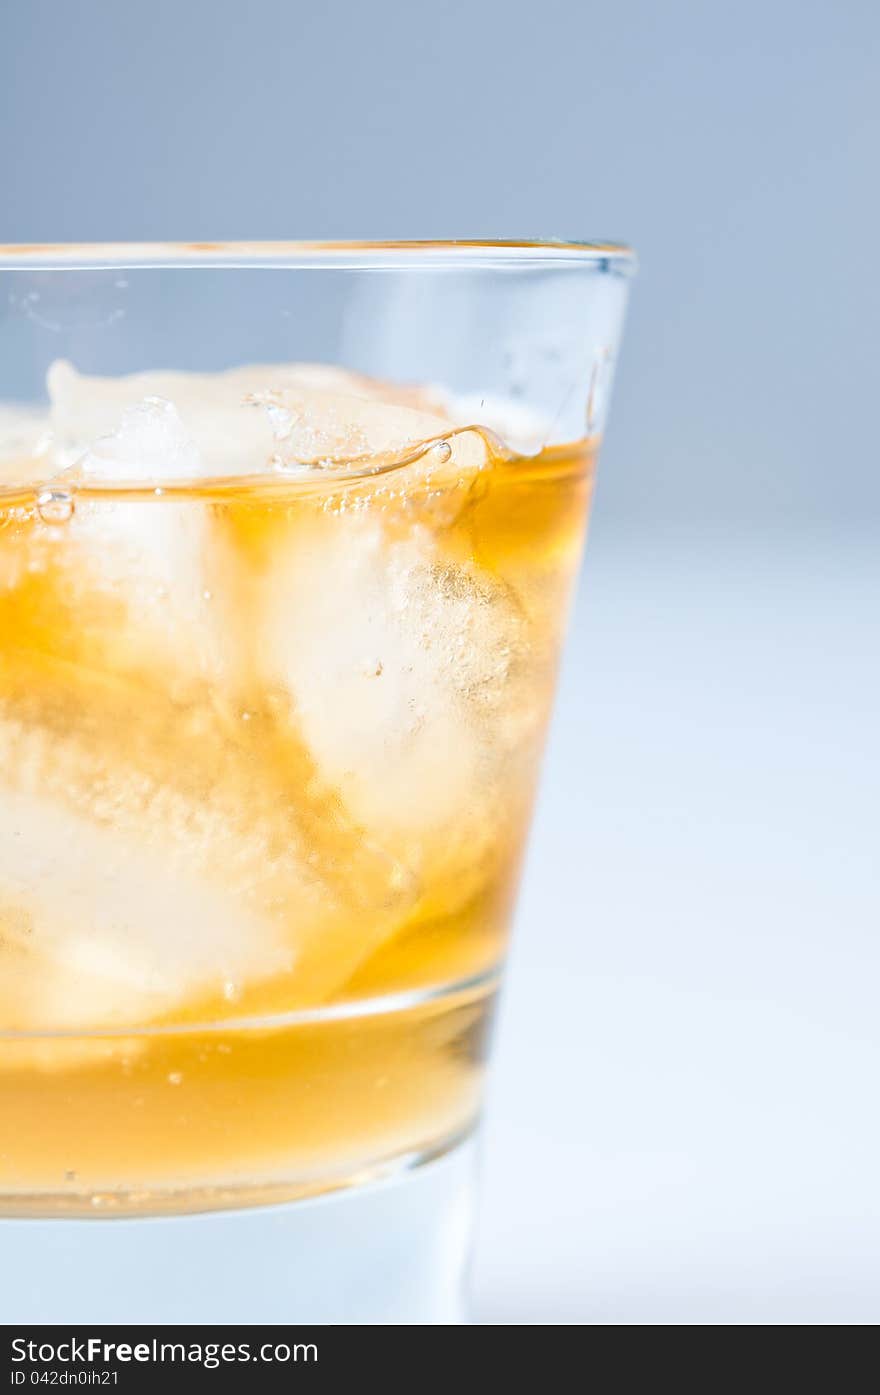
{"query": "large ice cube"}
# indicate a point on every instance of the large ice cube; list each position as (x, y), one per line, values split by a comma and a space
(404, 670)
(312, 426)
(159, 861)
(150, 441)
(155, 556)
(309, 412)
(118, 893)
(212, 430)
(127, 574)
(177, 832)
(238, 743)
(115, 926)
(520, 427)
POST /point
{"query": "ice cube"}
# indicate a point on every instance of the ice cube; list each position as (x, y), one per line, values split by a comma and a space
(157, 557)
(130, 573)
(112, 906)
(247, 758)
(115, 931)
(403, 668)
(149, 443)
(330, 415)
(400, 659)
(331, 427)
(153, 865)
(216, 413)
(519, 426)
(128, 422)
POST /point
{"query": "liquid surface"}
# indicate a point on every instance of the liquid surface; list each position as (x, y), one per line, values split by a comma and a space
(275, 668)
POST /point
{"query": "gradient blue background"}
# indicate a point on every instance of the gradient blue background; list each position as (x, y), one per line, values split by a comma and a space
(683, 1121)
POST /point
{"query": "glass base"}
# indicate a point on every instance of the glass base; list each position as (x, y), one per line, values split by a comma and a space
(392, 1252)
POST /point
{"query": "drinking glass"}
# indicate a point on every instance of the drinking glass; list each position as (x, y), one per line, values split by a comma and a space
(287, 539)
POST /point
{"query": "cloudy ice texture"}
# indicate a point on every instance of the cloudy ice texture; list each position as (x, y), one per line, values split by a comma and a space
(111, 925)
(175, 425)
(399, 662)
(150, 433)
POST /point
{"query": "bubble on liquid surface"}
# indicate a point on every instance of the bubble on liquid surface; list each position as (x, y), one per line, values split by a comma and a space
(55, 505)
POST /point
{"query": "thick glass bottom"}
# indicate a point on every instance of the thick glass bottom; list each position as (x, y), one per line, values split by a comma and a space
(257, 1111)
(391, 1251)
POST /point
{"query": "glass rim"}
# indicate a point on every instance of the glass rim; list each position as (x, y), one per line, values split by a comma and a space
(315, 255)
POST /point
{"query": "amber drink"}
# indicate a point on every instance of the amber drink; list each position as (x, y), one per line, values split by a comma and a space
(278, 642)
